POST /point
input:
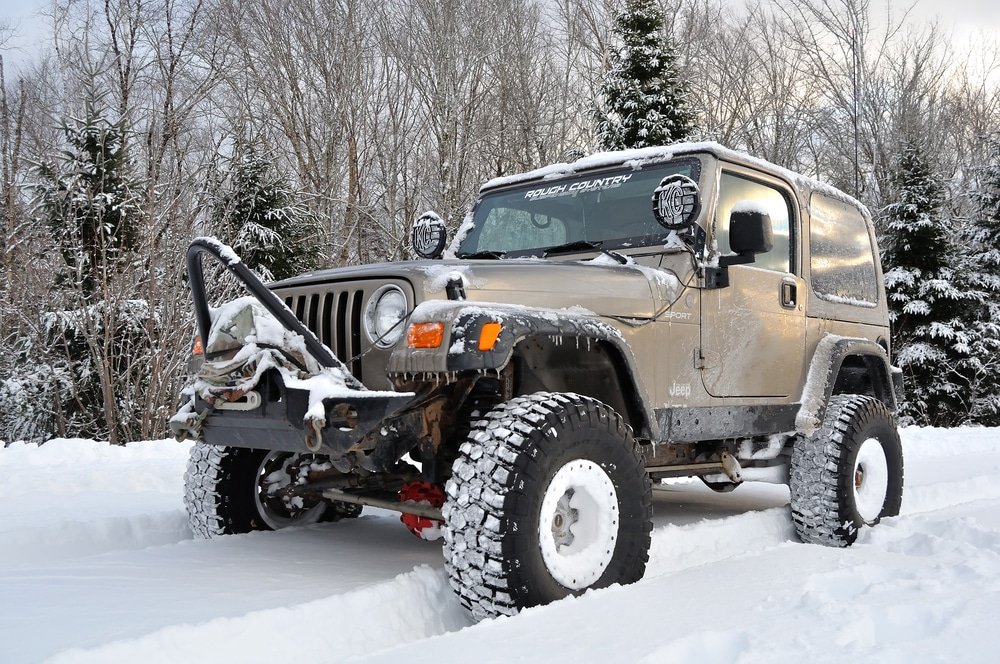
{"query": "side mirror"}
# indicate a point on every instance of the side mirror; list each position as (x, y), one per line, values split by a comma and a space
(676, 202)
(429, 235)
(750, 233)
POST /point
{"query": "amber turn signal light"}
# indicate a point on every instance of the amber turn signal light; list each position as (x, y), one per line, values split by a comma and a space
(425, 335)
(488, 336)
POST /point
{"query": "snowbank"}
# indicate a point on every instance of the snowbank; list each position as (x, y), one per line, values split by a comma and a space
(73, 497)
(99, 567)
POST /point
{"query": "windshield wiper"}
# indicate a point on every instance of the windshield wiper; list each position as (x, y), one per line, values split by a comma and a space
(495, 255)
(621, 259)
(569, 247)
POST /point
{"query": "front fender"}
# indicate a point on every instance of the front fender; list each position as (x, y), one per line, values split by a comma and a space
(463, 321)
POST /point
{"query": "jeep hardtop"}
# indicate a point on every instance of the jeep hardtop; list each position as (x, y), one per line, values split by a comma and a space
(593, 328)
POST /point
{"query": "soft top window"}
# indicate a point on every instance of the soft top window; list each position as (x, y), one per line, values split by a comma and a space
(841, 255)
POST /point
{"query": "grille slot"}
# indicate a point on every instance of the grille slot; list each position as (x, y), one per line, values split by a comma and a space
(339, 322)
(356, 332)
(312, 315)
(326, 319)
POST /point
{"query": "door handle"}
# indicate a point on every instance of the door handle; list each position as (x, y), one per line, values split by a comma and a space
(789, 295)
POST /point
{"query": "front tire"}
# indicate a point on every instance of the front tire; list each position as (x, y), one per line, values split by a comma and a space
(849, 474)
(230, 490)
(548, 498)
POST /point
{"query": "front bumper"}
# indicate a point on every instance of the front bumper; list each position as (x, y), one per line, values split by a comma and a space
(273, 416)
(280, 387)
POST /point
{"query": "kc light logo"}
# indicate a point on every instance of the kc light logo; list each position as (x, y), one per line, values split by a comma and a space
(671, 201)
(675, 201)
(429, 235)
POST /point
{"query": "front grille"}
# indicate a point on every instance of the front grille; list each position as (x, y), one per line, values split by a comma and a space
(335, 312)
(334, 315)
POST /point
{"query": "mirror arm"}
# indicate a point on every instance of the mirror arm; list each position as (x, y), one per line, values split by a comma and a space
(718, 277)
(738, 259)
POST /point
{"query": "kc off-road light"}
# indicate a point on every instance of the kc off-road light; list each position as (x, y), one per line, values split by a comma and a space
(384, 316)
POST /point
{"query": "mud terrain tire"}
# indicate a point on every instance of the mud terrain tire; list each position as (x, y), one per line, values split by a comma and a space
(526, 465)
(849, 474)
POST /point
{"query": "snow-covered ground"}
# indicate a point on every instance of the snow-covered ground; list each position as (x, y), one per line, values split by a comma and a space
(97, 565)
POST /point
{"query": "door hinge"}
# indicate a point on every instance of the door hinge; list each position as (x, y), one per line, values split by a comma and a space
(699, 359)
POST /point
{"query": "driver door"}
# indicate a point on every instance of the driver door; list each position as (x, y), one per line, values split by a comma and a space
(753, 331)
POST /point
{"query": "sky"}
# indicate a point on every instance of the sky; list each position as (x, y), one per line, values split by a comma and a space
(29, 29)
(964, 18)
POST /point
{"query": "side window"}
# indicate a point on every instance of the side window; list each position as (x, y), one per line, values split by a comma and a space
(841, 258)
(735, 192)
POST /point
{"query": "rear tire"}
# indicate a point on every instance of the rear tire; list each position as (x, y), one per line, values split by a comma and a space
(849, 474)
(548, 498)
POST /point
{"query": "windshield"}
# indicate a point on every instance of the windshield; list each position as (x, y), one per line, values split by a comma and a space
(610, 210)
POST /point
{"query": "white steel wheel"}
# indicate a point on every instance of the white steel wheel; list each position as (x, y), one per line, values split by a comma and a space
(849, 474)
(578, 524)
(871, 480)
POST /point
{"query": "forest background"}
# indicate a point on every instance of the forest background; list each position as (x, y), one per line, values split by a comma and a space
(313, 132)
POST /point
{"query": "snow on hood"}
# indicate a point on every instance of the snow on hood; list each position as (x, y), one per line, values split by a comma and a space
(601, 284)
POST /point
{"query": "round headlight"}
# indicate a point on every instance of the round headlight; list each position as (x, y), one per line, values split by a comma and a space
(384, 316)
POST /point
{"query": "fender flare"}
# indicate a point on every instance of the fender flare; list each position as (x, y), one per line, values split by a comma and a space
(464, 322)
(824, 369)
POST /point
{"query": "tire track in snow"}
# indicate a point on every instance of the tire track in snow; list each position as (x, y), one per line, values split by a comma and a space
(327, 630)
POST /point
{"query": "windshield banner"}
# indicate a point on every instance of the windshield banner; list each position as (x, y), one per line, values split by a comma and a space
(597, 184)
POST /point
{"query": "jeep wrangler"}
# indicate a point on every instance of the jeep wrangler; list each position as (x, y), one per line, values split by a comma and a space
(593, 328)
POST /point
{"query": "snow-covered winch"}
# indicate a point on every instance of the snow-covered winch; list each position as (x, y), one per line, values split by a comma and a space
(245, 343)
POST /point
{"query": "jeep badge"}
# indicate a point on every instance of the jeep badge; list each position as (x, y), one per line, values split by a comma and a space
(675, 202)
(429, 235)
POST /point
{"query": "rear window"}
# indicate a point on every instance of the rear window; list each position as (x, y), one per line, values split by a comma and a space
(841, 258)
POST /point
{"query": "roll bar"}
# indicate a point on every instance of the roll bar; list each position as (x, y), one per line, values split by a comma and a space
(225, 255)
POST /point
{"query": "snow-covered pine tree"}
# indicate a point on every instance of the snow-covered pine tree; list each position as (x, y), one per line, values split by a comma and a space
(87, 199)
(264, 219)
(644, 97)
(85, 363)
(927, 295)
(982, 366)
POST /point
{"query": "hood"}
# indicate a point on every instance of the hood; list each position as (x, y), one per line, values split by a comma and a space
(601, 285)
